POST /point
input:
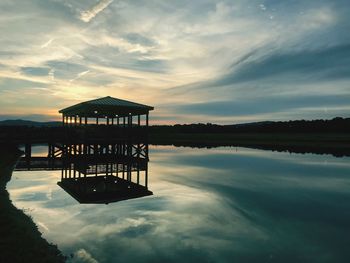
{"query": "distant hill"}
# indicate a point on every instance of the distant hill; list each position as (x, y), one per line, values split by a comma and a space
(29, 123)
(336, 125)
(339, 125)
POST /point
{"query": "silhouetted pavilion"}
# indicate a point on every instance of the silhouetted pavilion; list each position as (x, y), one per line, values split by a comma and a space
(106, 111)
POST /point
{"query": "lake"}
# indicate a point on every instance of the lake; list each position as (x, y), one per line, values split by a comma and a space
(208, 205)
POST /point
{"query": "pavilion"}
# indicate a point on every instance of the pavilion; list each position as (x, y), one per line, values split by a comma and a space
(106, 111)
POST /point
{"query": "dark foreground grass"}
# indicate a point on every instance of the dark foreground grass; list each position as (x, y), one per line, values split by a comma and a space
(20, 240)
(337, 144)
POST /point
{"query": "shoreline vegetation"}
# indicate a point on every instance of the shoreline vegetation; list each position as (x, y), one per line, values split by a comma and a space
(20, 240)
(301, 136)
(317, 136)
(336, 144)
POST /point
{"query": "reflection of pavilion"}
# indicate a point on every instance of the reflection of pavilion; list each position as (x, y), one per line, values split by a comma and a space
(97, 173)
(104, 177)
(102, 189)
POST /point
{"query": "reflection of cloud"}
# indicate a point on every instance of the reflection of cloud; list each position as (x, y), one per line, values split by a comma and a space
(42, 225)
(83, 256)
(86, 16)
(209, 205)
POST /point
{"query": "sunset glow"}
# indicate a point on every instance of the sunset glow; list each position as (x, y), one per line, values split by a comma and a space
(205, 61)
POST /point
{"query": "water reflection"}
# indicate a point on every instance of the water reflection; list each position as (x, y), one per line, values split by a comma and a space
(95, 173)
(212, 205)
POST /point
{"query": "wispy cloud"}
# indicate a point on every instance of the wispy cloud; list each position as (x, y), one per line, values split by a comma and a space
(46, 44)
(79, 75)
(87, 15)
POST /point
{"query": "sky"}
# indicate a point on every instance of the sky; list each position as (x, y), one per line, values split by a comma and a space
(218, 61)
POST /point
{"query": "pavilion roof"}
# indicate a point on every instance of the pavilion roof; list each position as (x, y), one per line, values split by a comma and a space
(106, 106)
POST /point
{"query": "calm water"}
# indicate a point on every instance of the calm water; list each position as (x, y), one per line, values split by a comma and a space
(209, 205)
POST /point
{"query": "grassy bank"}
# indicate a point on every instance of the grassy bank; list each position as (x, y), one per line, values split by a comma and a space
(20, 239)
(333, 143)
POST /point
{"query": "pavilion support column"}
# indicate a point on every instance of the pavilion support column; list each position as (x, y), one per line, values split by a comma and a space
(51, 151)
(129, 121)
(70, 121)
(63, 117)
(118, 121)
(124, 122)
(75, 120)
(112, 120)
(107, 121)
(146, 177)
(85, 149)
(129, 173)
(86, 120)
(95, 149)
(28, 150)
(97, 120)
(80, 120)
(147, 119)
(139, 120)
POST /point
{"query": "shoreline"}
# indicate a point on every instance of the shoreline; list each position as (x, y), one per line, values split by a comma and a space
(337, 145)
(21, 240)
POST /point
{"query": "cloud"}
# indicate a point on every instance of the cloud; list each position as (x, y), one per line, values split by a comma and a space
(173, 52)
(280, 66)
(36, 71)
(270, 104)
(327, 63)
(81, 74)
(47, 43)
(87, 15)
(31, 117)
